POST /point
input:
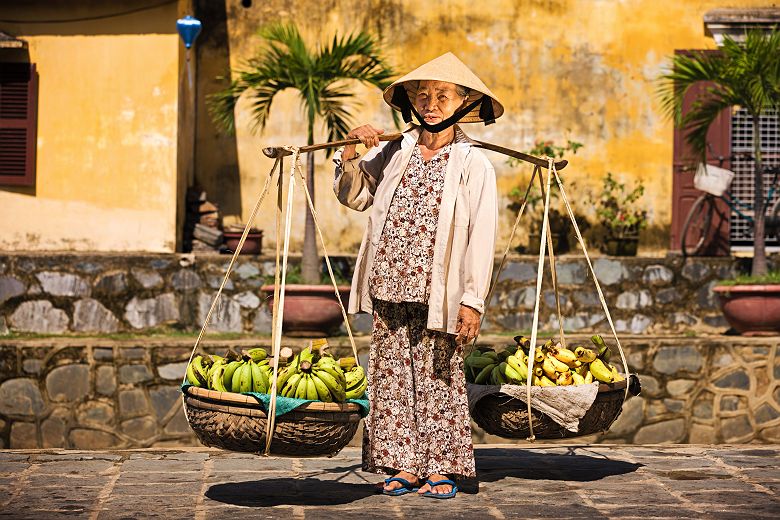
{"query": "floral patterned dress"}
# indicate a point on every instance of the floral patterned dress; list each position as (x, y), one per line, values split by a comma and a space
(419, 420)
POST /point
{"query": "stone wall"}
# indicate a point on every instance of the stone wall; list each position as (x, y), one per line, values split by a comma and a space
(55, 294)
(97, 393)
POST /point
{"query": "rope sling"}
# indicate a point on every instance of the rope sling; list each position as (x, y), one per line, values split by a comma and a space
(282, 252)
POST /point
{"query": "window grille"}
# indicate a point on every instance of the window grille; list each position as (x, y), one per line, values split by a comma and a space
(741, 232)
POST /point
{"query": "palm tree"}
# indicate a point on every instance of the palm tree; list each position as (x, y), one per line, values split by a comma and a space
(321, 77)
(741, 74)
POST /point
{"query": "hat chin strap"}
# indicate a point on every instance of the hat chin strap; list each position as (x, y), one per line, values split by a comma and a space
(401, 100)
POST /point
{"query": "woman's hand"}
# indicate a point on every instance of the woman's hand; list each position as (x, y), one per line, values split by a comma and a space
(367, 134)
(467, 326)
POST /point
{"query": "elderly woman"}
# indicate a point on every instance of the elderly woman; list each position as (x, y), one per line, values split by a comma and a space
(423, 270)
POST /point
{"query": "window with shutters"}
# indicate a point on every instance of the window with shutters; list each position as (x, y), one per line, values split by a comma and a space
(18, 122)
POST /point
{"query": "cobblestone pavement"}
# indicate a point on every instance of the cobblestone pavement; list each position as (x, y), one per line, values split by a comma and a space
(528, 481)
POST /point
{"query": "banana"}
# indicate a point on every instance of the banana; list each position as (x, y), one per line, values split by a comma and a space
(480, 362)
(496, 377)
(616, 375)
(502, 373)
(545, 381)
(346, 363)
(338, 374)
(283, 376)
(559, 366)
(311, 388)
(357, 392)
(354, 377)
(196, 373)
(563, 355)
(512, 375)
(216, 379)
(257, 354)
(230, 369)
(491, 354)
(301, 389)
(538, 355)
(484, 374)
(548, 367)
(245, 378)
(323, 394)
(259, 378)
(577, 379)
(519, 367)
(538, 372)
(582, 370)
(588, 378)
(336, 389)
(603, 350)
(291, 385)
(564, 379)
(600, 371)
(586, 355)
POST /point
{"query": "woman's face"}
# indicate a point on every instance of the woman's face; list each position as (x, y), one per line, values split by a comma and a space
(437, 100)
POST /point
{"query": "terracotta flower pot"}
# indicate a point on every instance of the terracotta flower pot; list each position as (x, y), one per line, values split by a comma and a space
(752, 310)
(253, 245)
(310, 310)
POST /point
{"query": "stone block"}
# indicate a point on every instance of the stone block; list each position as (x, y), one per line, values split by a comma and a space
(163, 398)
(608, 272)
(146, 313)
(133, 403)
(703, 406)
(771, 434)
(247, 270)
(571, 273)
(765, 413)
(695, 271)
(666, 296)
(68, 383)
(226, 317)
(105, 380)
(735, 428)
(132, 353)
(146, 278)
(111, 284)
(172, 371)
(159, 263)
(630, 418)
(738, 379)
(24, 436)
(683, 318)
(672, 359)
(90, 315)
(674, 405)
(55, 428)
(679, 387)
(62, 284)
(4, 330)
(628, 300)
(657, 275)
(523, 298)
(732, 403)
(636, 361)
(186, 280)
(518, 272)
(549, 300)
(95, 413)
(39, 316)
(702, 434)
(88, 267)
(722, 360)
(21, 396)
(32, 366)
(587, 297)
(717, 320)
(661, 433)
(142, 428)
(650, 385)
(639, 324)
(10, 287)
(215, 281)
(178, 424)
(84, 439)
(131, 374)
(103, 353)
(706, 297)
(516, 321)
(247, 300)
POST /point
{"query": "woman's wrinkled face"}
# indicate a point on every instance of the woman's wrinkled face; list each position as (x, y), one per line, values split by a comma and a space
(437, 100)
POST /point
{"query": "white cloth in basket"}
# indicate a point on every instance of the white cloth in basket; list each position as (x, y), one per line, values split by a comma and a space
(565, 405)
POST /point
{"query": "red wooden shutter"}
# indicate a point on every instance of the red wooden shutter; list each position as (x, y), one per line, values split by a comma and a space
(18, 123)
(683, 168)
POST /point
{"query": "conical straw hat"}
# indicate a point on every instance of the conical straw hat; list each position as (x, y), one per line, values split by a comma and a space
(446, 67)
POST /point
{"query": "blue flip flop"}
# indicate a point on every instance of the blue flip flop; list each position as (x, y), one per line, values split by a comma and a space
(451, 494)
(407, 487)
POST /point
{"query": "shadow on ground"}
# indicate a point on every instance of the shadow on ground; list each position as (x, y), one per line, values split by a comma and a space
(578, 464)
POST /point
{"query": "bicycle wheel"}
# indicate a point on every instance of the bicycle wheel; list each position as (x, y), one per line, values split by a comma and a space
(697, 226)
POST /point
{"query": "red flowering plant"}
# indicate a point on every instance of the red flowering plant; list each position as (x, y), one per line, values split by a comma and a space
(619, 211)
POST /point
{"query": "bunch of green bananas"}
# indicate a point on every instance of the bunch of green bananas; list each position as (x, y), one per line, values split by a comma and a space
(357, 383)
(313, 376)
(197, 370)
(249, 372)
(554, 365)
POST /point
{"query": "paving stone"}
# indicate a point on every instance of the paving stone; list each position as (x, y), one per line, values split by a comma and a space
(10, 287)
(172, 371)
(68, 383)
(95, 413)
(657, 275)
(105, 380)
(186, 280)
(518, 272)
(133, 403)
(39, 316)
(738, 379)
(111, 284)
(83, 439)
(695, 271)
(62, 284)
(147, 278)
(147, 313)
(662, 432)
(733, 428)
(23, 436)
(90, 315)
(226, 317)
(21, 397)
(679, 386)
(130, 374)
(670, 360)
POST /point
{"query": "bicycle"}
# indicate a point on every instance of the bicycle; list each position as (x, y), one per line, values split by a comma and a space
(697, 224)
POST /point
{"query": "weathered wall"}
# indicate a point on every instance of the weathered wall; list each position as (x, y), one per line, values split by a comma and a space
(564, 69)
(106, 152)
(96, 394)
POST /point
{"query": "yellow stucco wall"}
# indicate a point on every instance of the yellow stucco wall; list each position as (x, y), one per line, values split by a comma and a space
(564, 69)
(106, 148)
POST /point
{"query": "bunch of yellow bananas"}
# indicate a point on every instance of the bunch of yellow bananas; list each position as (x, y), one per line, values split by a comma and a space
(554, 365)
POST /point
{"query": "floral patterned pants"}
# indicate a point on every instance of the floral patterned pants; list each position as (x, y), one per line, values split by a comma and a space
(419, 420)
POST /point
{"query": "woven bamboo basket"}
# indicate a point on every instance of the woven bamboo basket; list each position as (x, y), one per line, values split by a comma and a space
(502, 415)
(236, 422)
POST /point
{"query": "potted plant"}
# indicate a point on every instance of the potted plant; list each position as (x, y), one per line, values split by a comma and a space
(744, 74)
(559, 221)
(321, 77)
(621, 216)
